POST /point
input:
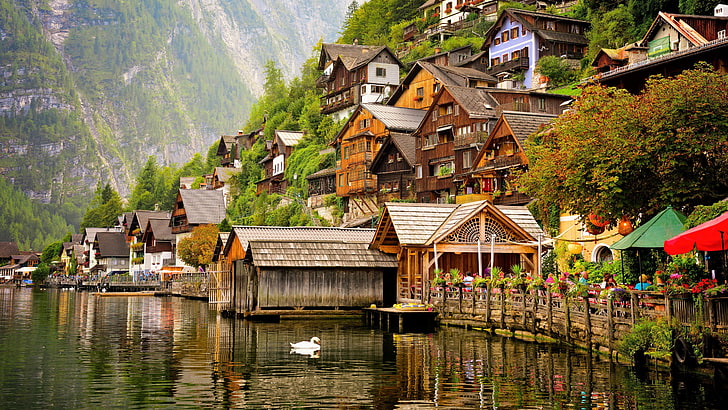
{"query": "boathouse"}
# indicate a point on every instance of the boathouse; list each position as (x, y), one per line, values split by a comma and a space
(470, 237)
(278, 269)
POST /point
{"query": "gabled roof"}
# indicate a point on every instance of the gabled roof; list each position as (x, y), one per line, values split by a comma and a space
(475, 101)
(8, 249)
(524, 124)
(318, 254)
(140, 218)
(415, 223)
(112, 245)
(404, 143)
(396, 118)
(203, 206)
(225, 173)
(474, 57)
(226, 143)
(159, 227)
(245, 234)
(289, 138)
(683, 24)
(352, 56)
(91, 233)
(322, 173)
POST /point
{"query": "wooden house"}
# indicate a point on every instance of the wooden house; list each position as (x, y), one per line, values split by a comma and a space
(320, 184)
(608, 59)
(19, 267)
(89, 247)
(503, 153)
(394, 167)
(228, 151)
(135, 233)
(274, 164)
(158, 244)
(7, 250)
(470, 237)
(449, 57)
(222, 181)
(424, 80)
(673, 43)
(536, 101)
(354, 74)
(285, 268)
(358, 142)
(112, 254)
(448, 138)
(519, 38)
(195, 207)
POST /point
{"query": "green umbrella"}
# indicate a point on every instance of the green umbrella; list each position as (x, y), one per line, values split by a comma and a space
(654, 233)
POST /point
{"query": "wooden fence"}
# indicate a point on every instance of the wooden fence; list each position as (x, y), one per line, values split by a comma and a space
(591, 321)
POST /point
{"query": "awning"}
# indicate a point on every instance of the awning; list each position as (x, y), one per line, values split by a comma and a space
(708, 236)
(653, 233)
(444, 128)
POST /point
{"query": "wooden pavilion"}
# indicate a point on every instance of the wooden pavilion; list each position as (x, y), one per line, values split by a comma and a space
(470, 237)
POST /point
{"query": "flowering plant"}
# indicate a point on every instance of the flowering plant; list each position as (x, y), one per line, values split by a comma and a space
(703, 285)
(720, 290)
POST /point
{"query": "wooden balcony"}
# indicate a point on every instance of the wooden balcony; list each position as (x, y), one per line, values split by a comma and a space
(430, 184)
(516, 198)
(464, 140)
(509, 66)
(503, 161)
(362, 186)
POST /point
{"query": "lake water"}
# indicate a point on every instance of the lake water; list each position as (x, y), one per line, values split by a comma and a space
(74, 350)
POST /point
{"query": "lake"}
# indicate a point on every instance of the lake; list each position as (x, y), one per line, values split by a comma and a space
(68, 349)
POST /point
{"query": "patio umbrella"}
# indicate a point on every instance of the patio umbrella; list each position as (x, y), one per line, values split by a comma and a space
(653, 233)
(708, 236)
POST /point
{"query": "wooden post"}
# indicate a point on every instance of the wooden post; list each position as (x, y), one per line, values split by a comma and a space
(567, 313)
(503, 309)
(610, 326)
(587, 322)
(633, 307)
(536, 299)
(523, 311)
(549, 313)
(487, 303)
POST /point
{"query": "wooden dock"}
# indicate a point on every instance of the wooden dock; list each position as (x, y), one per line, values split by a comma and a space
(400, 320)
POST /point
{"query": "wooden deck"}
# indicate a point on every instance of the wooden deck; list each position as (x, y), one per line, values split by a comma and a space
(400, 320)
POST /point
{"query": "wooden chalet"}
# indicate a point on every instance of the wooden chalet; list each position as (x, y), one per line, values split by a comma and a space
(424, 80)
(394, 167)
(274, 164)
(287, 268)
(673, 43)
(7, 250)
(322, 183)
(112, 253)
(358, 142)
(135, 233)
(159, 244)
(503, 153)
(608, 59)
(470, 237)
(19, 267)
(519, 38)
(90, 244)
(449, 57)
(354, 74)
(195, 207)
(228, 151)
(246, 140)
(448, 138)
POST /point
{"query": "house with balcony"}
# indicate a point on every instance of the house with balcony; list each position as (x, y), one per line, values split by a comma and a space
(135, 232)
(89, 246)
(274, 164)
(195, 207)
(159, 244)
(491, 175)
(448, 139)
(519, 38)
(394, 167)
(673, 43)
(112, 254)
(355, 74)
(443, 18)
(536, 101)
(228, 151)
(422, 83)
(358, 142)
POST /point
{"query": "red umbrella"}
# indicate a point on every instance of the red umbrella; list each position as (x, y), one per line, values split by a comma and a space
(708, 236)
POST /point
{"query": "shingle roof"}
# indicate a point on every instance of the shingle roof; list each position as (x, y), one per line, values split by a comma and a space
(416, 223)
(351, 55)
(523, 217)
(112, 245)
(161, 229)
(322, 173)
(524, 124)
(453, 75)
(396, 118)
(91, 233)
(289, 138)
(474, 100)
(203, 206)
(301, 233)
(8, 249)
(407, 145)
(224, 173)
(142, 217)
(318, 254)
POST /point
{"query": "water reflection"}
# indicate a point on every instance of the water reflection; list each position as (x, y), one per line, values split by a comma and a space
(76, 350)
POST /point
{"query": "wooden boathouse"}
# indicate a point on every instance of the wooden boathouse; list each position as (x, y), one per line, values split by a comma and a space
(294, 271)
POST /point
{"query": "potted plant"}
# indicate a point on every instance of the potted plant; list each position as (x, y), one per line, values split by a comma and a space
(438, 281)
(456, 278)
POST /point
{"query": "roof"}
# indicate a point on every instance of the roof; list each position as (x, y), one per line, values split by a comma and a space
(523, 17)
(160, 228)
(112, 245)
(203, 206)
(322, 173)
(404, 143)
(224, 173)
(476, 101)
(226, 142)
(140, 218)
(524, 124)
(318, 254)
(289, 138)
(653, 233)
(352, 56)
(681, 23)
(396, 118)
(91, 233)
(246, 234)
(8, 249)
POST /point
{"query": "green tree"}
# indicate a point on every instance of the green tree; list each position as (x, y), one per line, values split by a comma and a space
(104, 210)
(149, 189)
(618, 154)
(558, 70)
(197, 249)
(612, 29)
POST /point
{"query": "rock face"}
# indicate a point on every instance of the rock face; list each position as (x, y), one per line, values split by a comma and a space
(89, 90)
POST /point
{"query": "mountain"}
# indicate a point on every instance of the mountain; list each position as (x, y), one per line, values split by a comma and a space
(90, 88)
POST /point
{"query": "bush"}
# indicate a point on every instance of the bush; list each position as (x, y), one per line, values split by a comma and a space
(653, 338)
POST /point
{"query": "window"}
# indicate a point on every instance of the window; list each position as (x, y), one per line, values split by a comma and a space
(550, 25)
(390, 158)
(514, 32)
(436, 87)
(430, 140)
(420, 91)
(467, 159)
(341, 180)
(445, 109)
(516, 55)
(495, 61)
(504, 36)
(381, 72)
(418, 171)
(574, 29)
(456, 110)
(721, 34)
(542, 104)
(505, 57)
(363, 89)
(377, 89)
(364, 123)
(346, 152)
(496, 41)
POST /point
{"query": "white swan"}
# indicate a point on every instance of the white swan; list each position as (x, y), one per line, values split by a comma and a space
(313, 344)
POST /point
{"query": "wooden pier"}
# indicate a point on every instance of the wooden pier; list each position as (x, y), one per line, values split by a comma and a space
(400, 320)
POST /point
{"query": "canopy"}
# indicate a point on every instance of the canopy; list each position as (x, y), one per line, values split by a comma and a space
(708, 236)
(653, 233)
